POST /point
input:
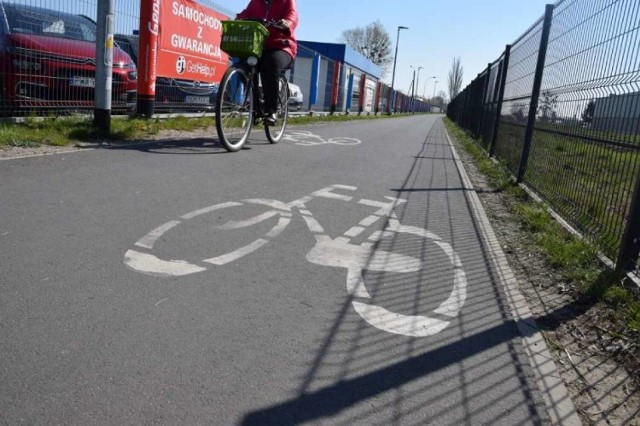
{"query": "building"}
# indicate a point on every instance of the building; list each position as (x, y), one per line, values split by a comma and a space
(618, 113)
(353, 65)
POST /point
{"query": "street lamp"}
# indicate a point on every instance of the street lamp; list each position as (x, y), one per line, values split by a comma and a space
(414, 85)
(425, 86)
(434, 89)
(415, 89)
(395, 58)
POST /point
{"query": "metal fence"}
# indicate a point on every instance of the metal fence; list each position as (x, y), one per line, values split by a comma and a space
(560, 109)
(48, 66)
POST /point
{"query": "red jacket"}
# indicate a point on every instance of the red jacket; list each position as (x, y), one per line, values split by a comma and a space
(280, 9)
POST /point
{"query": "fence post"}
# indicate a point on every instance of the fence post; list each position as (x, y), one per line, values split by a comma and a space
(503, 81)
(630, 247)
(535, 94)
(484, 97)
(104, 64)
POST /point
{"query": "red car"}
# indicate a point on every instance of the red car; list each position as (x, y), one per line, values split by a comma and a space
(48, 61)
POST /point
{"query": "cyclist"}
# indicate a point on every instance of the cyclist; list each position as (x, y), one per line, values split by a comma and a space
(280, 48)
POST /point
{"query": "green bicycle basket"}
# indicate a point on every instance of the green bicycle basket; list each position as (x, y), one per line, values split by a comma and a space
(241, 39)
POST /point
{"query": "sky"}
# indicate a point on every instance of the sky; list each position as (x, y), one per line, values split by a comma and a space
(475, 30)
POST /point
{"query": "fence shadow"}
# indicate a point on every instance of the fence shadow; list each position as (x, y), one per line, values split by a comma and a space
(473, 372)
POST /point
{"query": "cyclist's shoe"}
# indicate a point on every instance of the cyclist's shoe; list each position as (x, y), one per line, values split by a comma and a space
(271, 119)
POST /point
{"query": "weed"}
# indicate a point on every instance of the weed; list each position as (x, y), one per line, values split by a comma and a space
(616, 296)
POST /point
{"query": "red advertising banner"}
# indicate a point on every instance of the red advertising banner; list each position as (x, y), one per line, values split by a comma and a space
(189, 47)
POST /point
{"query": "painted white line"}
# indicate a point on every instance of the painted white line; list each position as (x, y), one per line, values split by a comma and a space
(209, 209)
(386, 261)
(237, 254)
(379, 235)
(313, 225)
(396, 226)
(453, 257)
(391, 322)
(368, 221)
(149, 264)
(386, 209)
(277, 230)
(305, 212)
(452, 306)
(238, 224)
(274, 204)
(340, 253)
(354, 232)
(355, 284)
(300, 202)
(326, 193)
(150, 239)
(162, 301)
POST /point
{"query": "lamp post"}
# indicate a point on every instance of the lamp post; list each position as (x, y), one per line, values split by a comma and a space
(424, 91)
(416, 88)
(434, 89)
(393, 76)
(412, 88)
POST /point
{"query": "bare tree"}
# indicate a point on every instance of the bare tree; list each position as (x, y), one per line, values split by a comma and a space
(373, 41)
(455, 78)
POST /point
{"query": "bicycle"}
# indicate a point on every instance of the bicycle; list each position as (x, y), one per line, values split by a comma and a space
(240, 87)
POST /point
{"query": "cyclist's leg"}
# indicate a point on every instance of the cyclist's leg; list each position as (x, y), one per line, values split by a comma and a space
(272, 63)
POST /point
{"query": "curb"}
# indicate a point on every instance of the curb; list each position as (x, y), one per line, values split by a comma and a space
(556, 398)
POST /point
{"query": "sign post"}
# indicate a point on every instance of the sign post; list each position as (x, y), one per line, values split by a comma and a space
(104, 65)
(148, 55)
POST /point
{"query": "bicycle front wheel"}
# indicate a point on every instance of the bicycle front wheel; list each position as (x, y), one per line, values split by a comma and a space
(275, 133)
(234, 109)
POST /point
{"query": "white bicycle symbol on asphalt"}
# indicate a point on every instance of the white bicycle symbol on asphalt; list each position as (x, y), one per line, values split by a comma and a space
(335, 252)
(304, 138)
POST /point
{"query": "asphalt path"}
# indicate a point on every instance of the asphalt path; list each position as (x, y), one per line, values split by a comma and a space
(335, 278)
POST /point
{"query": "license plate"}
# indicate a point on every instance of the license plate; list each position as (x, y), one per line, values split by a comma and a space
(83, 82)
(202, 100)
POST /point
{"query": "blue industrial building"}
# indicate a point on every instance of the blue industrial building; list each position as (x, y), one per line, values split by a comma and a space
(318, 59)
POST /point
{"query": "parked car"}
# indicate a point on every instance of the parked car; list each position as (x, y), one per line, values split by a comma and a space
(48, 61)
(296, 98)
(172, 93)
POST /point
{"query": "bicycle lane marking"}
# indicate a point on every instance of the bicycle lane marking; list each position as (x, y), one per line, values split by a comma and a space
(306, 138)
(340, 252)
(333, 252)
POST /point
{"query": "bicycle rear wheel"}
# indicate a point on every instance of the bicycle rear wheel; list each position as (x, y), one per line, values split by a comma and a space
(234, 109)
(275, 133)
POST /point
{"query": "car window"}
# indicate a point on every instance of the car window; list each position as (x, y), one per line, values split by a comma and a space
(37, 21)
(129, 45)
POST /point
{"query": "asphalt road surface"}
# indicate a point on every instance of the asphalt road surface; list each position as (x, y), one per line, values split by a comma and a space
(335, 278)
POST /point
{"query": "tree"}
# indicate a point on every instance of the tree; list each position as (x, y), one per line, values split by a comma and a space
(440, 100)
(373, 41)
(548, 103)
(587, 114)
(454, 79)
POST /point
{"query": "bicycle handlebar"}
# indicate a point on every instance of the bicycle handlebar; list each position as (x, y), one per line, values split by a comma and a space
(270, 23)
